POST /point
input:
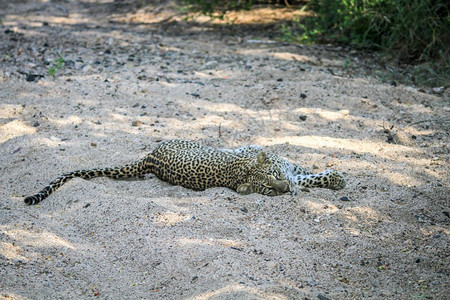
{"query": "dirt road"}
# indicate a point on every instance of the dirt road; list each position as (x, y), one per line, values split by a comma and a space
(92, 84)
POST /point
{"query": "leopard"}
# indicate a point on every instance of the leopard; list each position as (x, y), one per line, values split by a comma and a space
(192, 165)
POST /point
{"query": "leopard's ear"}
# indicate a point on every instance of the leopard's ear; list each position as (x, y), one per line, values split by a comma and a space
(244, 189)
(263, 159)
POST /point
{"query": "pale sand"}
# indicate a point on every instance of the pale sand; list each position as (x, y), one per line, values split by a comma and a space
(147, 239)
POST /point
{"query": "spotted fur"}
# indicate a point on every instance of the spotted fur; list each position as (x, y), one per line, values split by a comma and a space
(189, 164)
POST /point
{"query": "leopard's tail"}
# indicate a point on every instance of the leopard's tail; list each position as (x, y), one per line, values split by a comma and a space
(131, 170)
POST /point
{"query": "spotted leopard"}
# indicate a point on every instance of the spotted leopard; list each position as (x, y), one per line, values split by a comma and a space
(189, 164)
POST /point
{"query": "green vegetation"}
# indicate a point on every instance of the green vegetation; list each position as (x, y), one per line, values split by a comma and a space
(415, 29)
(216, 8)
(415, 32)
(57, 65)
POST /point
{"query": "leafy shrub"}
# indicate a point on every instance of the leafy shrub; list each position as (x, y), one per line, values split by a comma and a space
(216, 8)
(416, 30)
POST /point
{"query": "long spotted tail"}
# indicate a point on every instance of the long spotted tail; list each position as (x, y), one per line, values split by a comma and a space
(131, 170)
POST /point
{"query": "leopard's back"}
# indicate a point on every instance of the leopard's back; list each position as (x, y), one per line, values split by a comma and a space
(196, 166)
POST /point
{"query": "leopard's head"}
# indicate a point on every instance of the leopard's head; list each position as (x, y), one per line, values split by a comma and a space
(266, 179)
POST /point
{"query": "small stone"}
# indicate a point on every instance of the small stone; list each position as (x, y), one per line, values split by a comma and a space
(195, 95)
(280, 79)
(94, 144)
(345, 198)
(310, 282)
(438, 90)
(36, 124)
(32, 77)
(322, 297)
(211, 63)
(244, 209)
(136, 123)
(303, 95)
(86, 68)
(344, 112)
(303, 117)
(87, 205)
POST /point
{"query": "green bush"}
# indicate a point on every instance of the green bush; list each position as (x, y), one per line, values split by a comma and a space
(216, 8)
(416, 30)
(413, 31)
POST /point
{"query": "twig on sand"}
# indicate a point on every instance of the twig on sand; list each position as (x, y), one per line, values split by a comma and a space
(443, 120)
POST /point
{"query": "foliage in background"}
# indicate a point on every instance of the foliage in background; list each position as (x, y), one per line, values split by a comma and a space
(412, 31)
(216, 8)
(415, 29)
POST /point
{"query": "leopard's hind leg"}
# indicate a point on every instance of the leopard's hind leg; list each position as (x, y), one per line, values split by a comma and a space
(131, 170)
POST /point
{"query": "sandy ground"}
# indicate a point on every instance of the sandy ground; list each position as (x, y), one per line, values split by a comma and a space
(130, 80)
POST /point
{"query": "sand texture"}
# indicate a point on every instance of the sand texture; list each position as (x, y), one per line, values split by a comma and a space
(130, 78)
